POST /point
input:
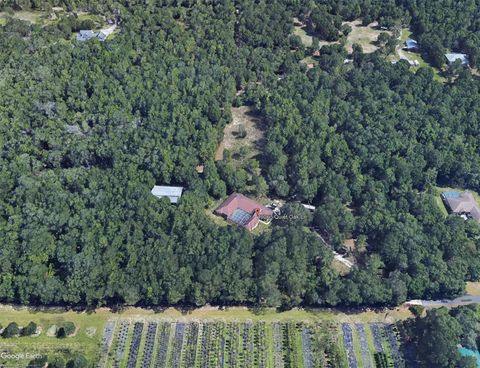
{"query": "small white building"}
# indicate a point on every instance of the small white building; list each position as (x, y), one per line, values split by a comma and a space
(85, 35)
(173, 193)
(411, 45)
(308, 207)
(451, 58)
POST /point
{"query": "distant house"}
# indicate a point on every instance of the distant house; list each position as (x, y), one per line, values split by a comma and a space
(85, 35)
(451, 58)
(463, 204)
(411, 45)
(173, 193)
(244, 211)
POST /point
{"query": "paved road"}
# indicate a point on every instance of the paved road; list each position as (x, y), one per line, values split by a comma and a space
(340, 258)
(462, 300)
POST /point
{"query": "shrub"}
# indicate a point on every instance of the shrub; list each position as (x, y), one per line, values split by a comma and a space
(69, 328)
(11, 330)
(29, 329)
(78, 362)
(416, 310)
(56, 362)
(61, 333)
(65, 329)
(37, 362)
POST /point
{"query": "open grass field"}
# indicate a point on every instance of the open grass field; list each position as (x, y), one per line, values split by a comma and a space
(45, 18)
(187, 338)
(363, 35)
(34, 17)
(243, 137)
(85, 341)
(299, 30)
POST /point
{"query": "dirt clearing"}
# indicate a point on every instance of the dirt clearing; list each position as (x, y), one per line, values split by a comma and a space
(243, 137)
(366, 36)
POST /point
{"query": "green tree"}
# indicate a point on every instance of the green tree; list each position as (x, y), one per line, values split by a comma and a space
(11, 330)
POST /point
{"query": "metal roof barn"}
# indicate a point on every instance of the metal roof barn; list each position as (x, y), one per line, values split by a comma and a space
(173, 193)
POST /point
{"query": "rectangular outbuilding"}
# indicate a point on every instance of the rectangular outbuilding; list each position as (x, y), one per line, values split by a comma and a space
(173, 193)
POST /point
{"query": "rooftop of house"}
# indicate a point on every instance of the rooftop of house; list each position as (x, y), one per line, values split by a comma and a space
(87, 34)
(452, 57)
(411, 44)
(461, 203)
(243, 211)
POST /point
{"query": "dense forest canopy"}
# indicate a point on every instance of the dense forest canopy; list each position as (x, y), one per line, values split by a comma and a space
(436, 334)
(87, 129)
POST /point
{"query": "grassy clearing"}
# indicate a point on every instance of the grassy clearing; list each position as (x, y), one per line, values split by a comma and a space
(34, 17)
(46, 345)
(441, 205)
(309, 60)
(363, 35)
(473, 288)
(339, 267)
(405, 35)
(267, 314)
(244, 121)
(307, 40)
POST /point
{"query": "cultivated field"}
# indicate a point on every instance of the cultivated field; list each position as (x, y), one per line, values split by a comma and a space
(203, 337)
(186, 344)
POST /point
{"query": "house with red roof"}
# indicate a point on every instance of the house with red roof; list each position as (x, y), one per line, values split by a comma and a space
(244, 211)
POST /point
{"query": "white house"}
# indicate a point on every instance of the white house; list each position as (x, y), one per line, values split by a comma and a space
(85, 35)
(451, 58)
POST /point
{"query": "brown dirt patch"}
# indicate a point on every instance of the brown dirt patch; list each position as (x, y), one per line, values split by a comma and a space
(349, 244)
(243, 119)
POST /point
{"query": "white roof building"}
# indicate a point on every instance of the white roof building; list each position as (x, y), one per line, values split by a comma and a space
(411, 44)
(173, 193)
(451, 58)
(85, 35)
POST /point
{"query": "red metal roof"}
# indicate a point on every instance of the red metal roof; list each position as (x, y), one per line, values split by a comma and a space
(239, 201)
